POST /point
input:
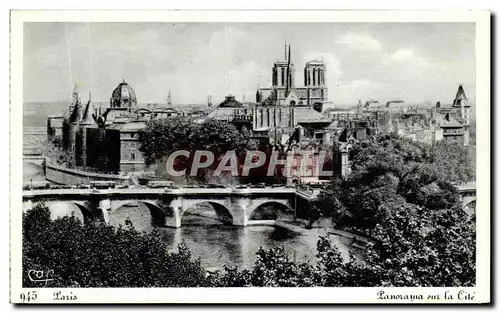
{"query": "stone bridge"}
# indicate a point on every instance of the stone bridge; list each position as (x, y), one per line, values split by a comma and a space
(166, 206)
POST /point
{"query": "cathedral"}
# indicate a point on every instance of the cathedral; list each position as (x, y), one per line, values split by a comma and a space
(283, 91)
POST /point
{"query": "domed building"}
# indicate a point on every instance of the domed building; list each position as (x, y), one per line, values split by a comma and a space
(230, 102)
(123, 97)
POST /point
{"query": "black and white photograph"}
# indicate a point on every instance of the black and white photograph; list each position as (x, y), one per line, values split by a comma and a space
(190, 153)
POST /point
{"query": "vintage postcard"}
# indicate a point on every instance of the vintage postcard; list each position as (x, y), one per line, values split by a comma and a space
(250, 157)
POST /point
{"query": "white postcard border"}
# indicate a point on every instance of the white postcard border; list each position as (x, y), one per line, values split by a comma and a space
(256, 295)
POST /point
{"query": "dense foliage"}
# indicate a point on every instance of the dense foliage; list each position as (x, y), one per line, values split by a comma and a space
(399, 194)
(392, 169)
(161, 137)
(100, 255)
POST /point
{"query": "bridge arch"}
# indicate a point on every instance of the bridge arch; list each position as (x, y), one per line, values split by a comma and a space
(85, 208)
(470, 207)
(142, 213)
(59, 209)
(200, 208)
(270, 210)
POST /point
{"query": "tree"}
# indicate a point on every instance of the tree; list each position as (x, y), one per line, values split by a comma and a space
(407, 250)
(386, 169)
(273, 268)
(161, 137)
(454, 161)
(95, 254)
(400, 195)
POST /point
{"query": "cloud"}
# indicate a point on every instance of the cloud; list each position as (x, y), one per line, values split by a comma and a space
(409, 56)
(349, 93)
(196, 59)
(359, 41)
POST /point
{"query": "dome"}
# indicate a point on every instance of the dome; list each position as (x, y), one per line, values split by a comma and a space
(230, 102)
(123, 96)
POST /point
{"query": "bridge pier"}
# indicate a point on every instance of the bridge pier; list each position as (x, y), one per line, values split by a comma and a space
(240, 217)
(105, 207)
(174, 221)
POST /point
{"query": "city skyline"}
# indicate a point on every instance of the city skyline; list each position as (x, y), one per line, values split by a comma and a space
(425, 61)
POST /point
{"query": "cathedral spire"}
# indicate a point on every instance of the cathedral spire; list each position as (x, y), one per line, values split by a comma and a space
(169, 99)
(288, 72)
(87, 117)
(76, 114)
(285, 50)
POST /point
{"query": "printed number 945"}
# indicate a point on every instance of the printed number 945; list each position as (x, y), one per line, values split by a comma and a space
(29, 296)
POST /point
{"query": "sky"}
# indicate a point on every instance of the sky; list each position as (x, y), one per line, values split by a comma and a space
(414, 62)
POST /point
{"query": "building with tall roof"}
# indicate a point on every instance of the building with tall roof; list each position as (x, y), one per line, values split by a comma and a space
(105, 140)
(451, 122)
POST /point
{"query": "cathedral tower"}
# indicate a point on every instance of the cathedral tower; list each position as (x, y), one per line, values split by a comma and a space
(314, 74)
(284, 72)
(314, 81)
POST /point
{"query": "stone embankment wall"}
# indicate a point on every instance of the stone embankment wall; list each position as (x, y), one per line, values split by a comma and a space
(65, 176)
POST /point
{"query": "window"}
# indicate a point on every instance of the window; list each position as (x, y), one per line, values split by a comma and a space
(318, 138)
(132, 156)
(131, 135)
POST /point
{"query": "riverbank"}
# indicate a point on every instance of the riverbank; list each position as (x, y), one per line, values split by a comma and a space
(65, 176)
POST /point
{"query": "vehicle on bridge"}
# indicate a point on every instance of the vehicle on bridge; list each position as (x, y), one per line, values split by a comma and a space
(37, 185)
(83, 186)
(215, 186)
(102, 184)
(160, 183)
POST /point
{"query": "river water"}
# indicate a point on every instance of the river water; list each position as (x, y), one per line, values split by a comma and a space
(215, 244)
